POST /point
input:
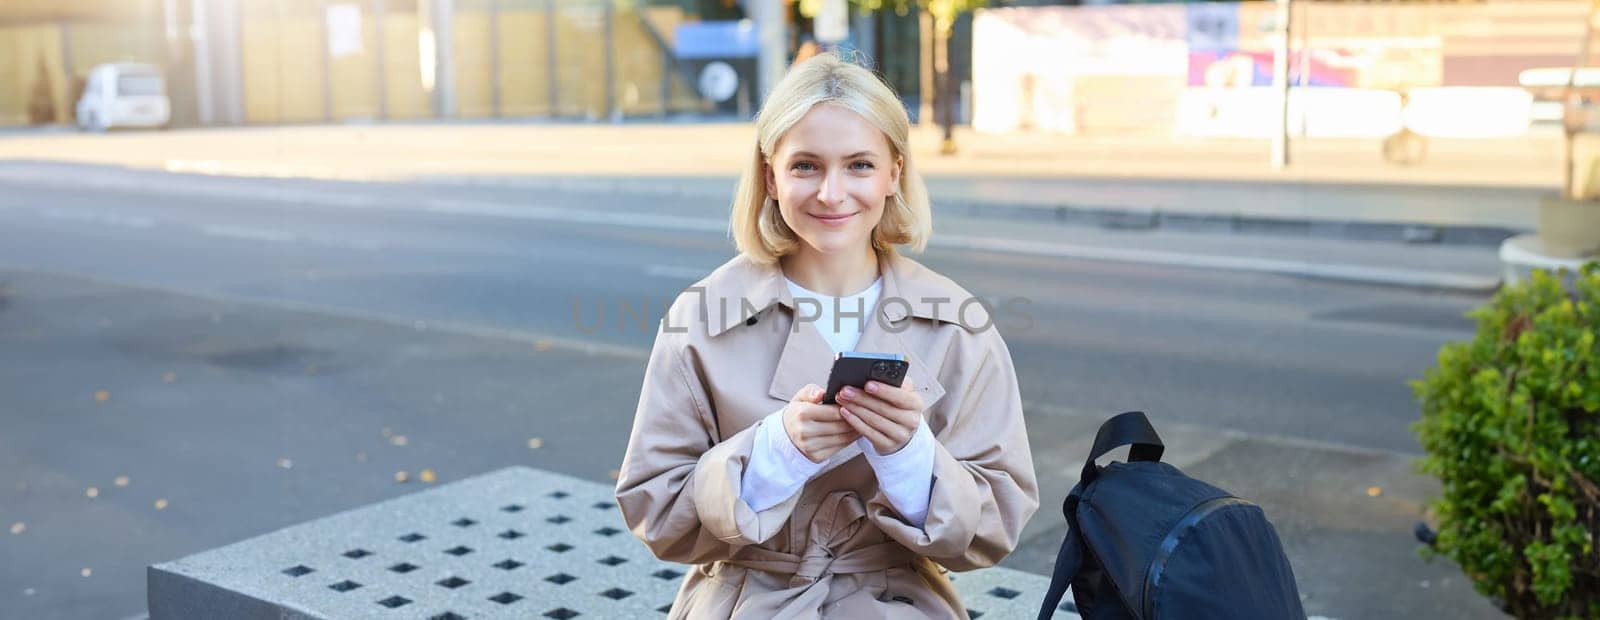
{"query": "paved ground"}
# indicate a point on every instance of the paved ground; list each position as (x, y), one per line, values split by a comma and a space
(309, 325)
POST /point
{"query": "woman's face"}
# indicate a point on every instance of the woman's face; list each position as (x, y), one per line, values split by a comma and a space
(831, 174)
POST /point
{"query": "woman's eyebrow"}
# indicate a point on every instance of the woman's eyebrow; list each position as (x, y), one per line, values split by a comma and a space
(850, 156)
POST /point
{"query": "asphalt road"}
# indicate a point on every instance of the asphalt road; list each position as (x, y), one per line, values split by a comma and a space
(309, 331)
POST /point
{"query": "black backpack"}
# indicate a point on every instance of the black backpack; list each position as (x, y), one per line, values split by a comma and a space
(1148, 542)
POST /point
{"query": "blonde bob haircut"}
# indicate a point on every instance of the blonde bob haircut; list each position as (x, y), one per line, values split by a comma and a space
(757, 226)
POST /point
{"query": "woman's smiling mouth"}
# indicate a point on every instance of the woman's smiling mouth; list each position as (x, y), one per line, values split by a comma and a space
(833, 220)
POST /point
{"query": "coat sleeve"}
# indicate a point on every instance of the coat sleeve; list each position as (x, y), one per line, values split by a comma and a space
(984, 488)
(679, 488)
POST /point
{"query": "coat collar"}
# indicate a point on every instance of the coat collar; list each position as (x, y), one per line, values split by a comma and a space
(909, 290)
(742, 288)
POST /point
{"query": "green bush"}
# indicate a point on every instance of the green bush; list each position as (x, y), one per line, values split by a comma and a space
(1511, 427)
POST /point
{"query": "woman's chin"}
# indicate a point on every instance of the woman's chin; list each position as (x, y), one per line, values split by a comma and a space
(835, 243)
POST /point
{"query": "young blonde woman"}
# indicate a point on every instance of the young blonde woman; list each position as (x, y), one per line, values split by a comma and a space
(786, 507)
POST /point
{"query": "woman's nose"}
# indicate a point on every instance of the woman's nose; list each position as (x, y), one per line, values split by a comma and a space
(831, 192)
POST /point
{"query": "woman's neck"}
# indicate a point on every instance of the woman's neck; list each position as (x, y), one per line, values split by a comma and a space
(835, 275)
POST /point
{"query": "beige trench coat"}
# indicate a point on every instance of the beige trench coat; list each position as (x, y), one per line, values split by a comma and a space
(837, 548)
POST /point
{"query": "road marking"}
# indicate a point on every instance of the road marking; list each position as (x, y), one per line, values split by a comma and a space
(1353, 273)
(124, 221)
(606, 217)
(364, 245)
(408, 323)
(254, 234)
(676, 272)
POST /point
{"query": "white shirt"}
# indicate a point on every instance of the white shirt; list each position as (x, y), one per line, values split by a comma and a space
(777, 469)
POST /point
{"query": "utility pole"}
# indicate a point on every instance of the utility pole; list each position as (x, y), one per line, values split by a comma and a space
(1280, 84)
(772, 26)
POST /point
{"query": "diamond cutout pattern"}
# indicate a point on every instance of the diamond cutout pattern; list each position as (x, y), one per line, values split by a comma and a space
(1005, 593)
(508, 565)
(344, 586)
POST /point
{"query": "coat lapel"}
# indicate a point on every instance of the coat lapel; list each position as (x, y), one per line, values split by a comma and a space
(807, 358)
(888, 332)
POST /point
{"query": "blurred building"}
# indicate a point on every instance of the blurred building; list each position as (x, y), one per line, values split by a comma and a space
(231, 62)
(47, 48)
(1359, 69)
(1050, 64)
(293, 61)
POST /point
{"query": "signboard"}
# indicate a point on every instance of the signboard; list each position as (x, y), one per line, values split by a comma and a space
(344, 30)
(832, 23)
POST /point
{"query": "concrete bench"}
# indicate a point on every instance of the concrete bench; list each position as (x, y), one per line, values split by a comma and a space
(514, 543)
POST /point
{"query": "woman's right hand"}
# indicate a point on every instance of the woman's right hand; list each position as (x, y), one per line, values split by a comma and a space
(817, 430)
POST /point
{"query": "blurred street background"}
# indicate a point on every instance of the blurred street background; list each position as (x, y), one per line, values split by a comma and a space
(266, 260)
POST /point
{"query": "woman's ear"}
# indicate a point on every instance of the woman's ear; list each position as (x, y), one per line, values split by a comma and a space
(766, 174)
(894, 176)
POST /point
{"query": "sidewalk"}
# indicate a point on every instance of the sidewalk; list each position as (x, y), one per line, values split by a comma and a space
(1474, 184)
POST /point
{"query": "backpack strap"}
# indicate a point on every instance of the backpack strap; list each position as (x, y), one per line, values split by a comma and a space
(1130, 428)
(1068, 560)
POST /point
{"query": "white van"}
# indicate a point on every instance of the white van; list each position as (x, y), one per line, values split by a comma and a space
(124, 94)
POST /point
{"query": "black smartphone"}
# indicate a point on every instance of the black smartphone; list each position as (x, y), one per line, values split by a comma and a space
(855, 369)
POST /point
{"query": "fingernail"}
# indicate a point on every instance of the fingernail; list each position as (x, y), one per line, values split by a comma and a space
(847, 393)
(872, 386)
(843, 411)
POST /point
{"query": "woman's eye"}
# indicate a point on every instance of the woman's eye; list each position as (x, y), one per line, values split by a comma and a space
(862, 165)
(804, 166)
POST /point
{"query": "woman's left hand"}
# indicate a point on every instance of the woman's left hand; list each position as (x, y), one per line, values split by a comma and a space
(886, 415)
